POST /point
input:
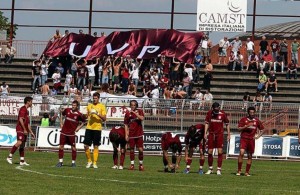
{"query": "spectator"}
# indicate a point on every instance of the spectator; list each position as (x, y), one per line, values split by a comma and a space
(73, 91)
(80, 31)
(275, 133)
(45, 121)
(56, 81)
(209, 66)
(262, 79)
(292, 70)
(61, 69)
(56, 36)
(66, 33)
(132, 89)
(208, 97)
(91, 73)
(82, 74)
(116, 68)
(103, 34)
(125, 78)
(231, 61)
(223, 46)
(4, 89)
(238, 65)
(249, 47)
(267, 101)
(246, 99)
(146, 90)
(95, 34)
(268, 61)
(10, 53)
(186, 81)
(154, 78)
(274, 48)
(272, 82)
(134, 74)
(236, 44)
(257, 99)
(283, 50)
(68, 82)
(105, 70)
(207, 76)
(85, 94)
(252, 63)
(263, 46)
(198, 96)
(175, 72)
(278, 64)
(295, 47)
(205, 47)
(163, 83)
(198, 63)
(36, 75)
(44, 72)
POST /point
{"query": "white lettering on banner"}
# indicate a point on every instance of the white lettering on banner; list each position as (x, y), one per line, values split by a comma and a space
(152, 138)
(295, 147)
(110, 51)
(272, 147)
(116, 112)
(11, 105)
(149, 49)
(220, 15)
(8, 136)
(86, 51)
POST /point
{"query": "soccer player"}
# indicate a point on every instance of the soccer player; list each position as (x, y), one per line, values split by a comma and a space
(96, 113)
(214, 126)
(23, 128)
(248, 126)
(168, 141)
(74, 120)
(134, 132)
(117, 138)
(193, 138)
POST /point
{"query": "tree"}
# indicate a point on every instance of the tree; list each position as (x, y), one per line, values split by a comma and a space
(5, 25)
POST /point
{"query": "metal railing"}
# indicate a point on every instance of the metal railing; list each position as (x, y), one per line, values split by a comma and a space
(160, 114)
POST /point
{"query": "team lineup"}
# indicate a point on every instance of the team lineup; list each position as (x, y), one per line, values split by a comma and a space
(209, 135)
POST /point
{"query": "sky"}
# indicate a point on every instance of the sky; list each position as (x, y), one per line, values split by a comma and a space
(162, 21)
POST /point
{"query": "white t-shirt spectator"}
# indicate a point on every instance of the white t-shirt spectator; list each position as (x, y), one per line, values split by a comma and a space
(250, 45)
(56, 78)
(208, 97)
(44, 69)
(189, 71)
(154, 80)
(91, 70)
(155, 93)
(68, 79)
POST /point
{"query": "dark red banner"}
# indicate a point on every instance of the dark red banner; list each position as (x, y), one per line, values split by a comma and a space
(144, 44)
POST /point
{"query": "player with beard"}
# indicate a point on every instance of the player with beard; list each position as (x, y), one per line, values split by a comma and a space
(117, 138)
(172, 142)
(248, 126)
(134, 132)
(214, 126)
(193, 138)
(74, 120)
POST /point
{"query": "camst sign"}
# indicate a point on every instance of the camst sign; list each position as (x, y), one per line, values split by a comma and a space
(221, 15)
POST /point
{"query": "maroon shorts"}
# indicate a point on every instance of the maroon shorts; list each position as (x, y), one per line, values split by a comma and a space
(67, 139)
(21, 137)
(248, 145)
(215, 141)
(138, 142)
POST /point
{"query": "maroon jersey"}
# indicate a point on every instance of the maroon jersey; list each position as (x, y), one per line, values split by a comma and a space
(72, 119)
(82, 71)
(195, 138)
(216, 121)
(23, 113)
(163, 82)
(167, 140)
(166, 67)
(119, 130)
(134, 124)
(249, 132)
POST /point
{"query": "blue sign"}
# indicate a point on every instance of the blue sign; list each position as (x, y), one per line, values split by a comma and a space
(294, 147)
(237, 145)
(272, 146)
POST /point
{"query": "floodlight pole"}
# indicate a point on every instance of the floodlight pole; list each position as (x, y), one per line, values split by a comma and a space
(172, 14)
(90, 17)
(11, 33)
(254, 17)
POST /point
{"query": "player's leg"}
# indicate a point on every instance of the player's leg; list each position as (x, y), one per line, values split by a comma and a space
(22, 152)
(115, 155)
(122, 156)
(174, 159)
(201, 160)
(74, 151)
(96, 143)
(20, 138)
(87, 143)
(131, 146)
(219, 145)
(62, 142)
(210, 158)
(140, 146)
(240, 161)
(190, 159)
(250, 151)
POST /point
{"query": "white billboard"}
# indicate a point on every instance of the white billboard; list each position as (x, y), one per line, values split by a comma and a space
(221, 15)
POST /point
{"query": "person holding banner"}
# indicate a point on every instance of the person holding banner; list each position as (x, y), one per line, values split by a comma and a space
(248, 127)
(23, 128)
(74, 120)
(172, 142)
(96, 113)
(117, 138)
(214, 126)
(134, 132)
(193, 138)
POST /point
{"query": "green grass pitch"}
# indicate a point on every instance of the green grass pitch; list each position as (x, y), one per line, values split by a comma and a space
(42, 177)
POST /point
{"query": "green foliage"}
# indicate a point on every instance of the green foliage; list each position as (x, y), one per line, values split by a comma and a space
(5, 25)
(42, 177)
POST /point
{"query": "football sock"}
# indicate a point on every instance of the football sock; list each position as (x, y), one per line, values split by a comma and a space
(141, 162)
(13, 149)
(202, 162)
(141, 156)
(189, 162)
(122, 158)
(165, 161)
(132, 162)
(60, 154)
(60, 160)
(131, 155)
(95, 154)
(174, 159)
(88, 155)
(210, 160)
(74, 154)
(240, 166)
(22, 152)
(73, 161)
(22, 159)
(115, 158)
(248, 166)
(220, 160)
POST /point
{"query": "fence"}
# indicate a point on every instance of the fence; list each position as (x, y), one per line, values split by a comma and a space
(160, 114)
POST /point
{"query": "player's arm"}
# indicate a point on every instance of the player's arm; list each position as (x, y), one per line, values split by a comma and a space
(228, 131)
(242, 126)
(139, 116)
(61, 120)
(178, 159)
(205, 130)
(165, 153)
(102, 114)
(79, 126)
(126, 132)
(30, 131)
